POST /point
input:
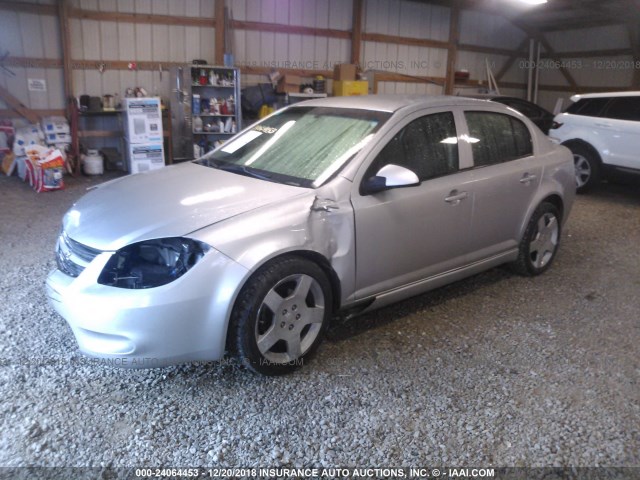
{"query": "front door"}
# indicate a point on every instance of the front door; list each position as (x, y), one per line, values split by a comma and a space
(407, 234)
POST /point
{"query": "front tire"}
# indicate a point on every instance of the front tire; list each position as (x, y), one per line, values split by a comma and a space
(540, 241)
(281, 316)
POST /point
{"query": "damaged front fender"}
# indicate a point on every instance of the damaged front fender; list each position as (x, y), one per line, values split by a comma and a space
(321, 223)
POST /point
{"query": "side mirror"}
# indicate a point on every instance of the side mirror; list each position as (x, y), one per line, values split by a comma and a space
(389, 176)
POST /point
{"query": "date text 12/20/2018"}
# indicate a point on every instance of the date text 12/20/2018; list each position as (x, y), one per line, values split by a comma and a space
(319, 473)
(580, 64)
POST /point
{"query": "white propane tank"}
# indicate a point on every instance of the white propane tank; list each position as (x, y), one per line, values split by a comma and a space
(93, 163)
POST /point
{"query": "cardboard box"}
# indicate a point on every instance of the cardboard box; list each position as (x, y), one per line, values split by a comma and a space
(289, 84)
(143, 120)
(347, 89)
(344, 72)
(57, 138)
(143, 157)
(55, 124)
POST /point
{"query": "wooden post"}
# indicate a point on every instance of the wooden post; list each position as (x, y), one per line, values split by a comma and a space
(219, 26)
(356, 31)
(67, 70)
(634, 42)
(452, 53)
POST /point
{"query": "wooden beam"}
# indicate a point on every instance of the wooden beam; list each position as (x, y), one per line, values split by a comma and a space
(356, 31)
(403, 78)
(31, 62)
(219, 27)
(465, 47)
(141, 18)
(293, 29)
(301, 72)
(564, 26)
(452, 53)
(28, 7)
(511, 60)
(65, 41)
(614, 52)
(18, 106)
(418, 42)
(7, 113)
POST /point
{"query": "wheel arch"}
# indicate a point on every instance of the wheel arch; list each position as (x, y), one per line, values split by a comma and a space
(552, 197)
(583, 143)
(556, 201)
(312, 256)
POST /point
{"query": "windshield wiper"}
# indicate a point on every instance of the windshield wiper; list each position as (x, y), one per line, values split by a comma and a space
(243, 170)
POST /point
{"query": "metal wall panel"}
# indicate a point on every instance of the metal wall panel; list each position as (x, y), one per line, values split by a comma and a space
(26, 34)
(406, 18)
(282, 50)
(478, 28)
(596, 38)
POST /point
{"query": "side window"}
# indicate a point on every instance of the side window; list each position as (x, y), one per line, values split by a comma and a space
(589, 107)
(428, 146)
(497, 138)
(624, 108)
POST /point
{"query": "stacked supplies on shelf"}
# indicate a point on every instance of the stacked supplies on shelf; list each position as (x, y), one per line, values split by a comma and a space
(57, 132)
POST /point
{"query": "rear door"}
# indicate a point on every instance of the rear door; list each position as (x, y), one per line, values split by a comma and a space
(620, 126)
(506, 177)
(407, 234)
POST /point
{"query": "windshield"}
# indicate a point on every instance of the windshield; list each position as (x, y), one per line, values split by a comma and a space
(303, 146)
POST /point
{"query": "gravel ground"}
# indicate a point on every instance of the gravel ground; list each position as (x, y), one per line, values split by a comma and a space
(495, 370)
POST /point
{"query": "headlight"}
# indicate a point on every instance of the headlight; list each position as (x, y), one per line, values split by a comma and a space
(152, 263)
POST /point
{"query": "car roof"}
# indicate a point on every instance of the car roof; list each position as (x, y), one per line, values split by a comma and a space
(492, 96)
(580, 96)
(390, 103)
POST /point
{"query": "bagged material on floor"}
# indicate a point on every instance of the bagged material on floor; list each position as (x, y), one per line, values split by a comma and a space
(45, 168)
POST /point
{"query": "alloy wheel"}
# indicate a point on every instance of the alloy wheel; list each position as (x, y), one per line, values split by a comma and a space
(290, 318)
(545, 241)
(582, 170)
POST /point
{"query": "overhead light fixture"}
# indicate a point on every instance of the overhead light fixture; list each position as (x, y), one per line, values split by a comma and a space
(533, 2)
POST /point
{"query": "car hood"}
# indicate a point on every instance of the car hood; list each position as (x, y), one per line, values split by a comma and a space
(169, 202)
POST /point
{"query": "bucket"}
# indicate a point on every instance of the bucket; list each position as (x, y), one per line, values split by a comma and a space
(92, 163)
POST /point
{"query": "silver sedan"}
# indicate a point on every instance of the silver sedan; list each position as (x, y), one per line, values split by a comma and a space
(332, 206)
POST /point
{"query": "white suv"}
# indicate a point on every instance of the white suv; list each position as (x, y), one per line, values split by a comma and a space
(603, 132)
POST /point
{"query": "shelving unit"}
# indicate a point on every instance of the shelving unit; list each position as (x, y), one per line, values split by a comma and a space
(205, 107)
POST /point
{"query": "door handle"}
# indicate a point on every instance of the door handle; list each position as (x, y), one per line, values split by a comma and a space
(456, 197)
(527, 178)
(603, 125)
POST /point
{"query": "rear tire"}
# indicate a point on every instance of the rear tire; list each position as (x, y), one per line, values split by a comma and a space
(540, 241)
(280, 316)
(587, 166)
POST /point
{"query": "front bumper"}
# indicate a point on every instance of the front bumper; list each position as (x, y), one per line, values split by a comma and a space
(183, 321)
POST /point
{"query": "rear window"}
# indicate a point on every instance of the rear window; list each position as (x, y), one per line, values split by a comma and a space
(589, 107)
(497, 138)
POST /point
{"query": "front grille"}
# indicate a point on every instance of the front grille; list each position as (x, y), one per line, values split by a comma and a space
(85, 253)
(72, 257)
(66, 265)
